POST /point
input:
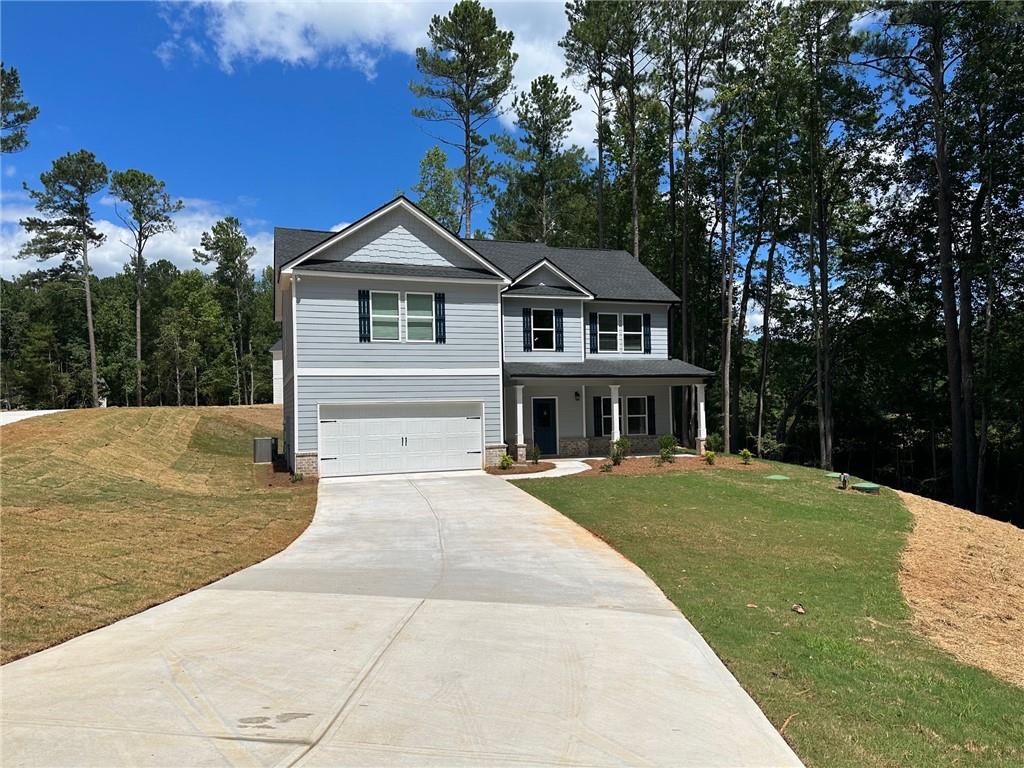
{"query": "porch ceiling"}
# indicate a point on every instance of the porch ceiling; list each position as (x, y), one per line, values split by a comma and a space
(640, 367)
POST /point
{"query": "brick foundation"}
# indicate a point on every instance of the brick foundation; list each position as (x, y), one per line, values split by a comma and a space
(574, 446)
(307, 464)
(493, 454)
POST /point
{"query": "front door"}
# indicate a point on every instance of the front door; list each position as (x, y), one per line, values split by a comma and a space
(545, 430)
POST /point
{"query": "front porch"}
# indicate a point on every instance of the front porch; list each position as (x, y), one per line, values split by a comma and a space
(577, 417)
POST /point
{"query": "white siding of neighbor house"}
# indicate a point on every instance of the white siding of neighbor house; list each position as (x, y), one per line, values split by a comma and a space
(512, 329)
(277, 364)
(659, 326)
(399, 237)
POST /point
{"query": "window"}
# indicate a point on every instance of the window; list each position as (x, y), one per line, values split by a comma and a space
(544, 329)
(607, 333)
(636, 415)
(632, 333)
(383, 316)
(606, 416)
(419, 317)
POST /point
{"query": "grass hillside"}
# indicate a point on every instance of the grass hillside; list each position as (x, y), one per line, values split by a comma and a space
(105, 512)
(849, 682)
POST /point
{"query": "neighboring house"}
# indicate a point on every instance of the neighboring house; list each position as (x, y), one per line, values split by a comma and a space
(409, 349)
(277, 357)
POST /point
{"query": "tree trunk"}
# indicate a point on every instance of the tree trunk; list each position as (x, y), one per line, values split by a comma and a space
(600, 167)
(467, 181)
(762, 386)
(726, 301)
(979, 483)
(195, 385)
(634, 172)
(139, 276)
(88, 317)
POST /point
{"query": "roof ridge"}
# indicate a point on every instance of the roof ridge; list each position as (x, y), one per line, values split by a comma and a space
(308, 229)
(550, 247)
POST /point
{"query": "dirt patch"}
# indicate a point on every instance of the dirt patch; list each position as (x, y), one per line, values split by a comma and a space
(646, 465)
(521, 469)
(963, 576)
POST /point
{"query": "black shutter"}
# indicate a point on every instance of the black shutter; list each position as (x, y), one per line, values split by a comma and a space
(651, 421)
(598, 423)
(527, 330)
(440, 334)
(559, 341)
(647, 334)
(364, 316)
(593, 333)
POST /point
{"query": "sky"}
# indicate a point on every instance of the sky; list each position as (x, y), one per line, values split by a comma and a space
(282, 114)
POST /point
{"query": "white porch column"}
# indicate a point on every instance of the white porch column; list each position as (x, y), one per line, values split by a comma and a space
(520, 438)
(702, 429)
(615, 411)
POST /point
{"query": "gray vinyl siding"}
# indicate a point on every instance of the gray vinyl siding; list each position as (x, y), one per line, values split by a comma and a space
(399, 238)
(336, 389)
(327, 324)
(289, 380)
(659, 326)
(512, 328)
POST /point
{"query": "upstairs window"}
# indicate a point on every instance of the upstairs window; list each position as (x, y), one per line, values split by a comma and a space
(419, 317)
(384, 316)
(632, 333)
(544, 330)
(607, 333)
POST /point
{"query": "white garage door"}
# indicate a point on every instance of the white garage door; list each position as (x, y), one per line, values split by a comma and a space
(381, 438)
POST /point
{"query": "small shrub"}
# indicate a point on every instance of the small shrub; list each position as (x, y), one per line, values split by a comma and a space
(746, 456)
(625, 447)
(620, 450)
(713, 442)
(296, 477)
(506, 461)
(606, 467)
(533, 453)
(709, 457)
(667, 445)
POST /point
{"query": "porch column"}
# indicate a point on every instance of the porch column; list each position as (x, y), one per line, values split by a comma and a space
(520, 439)
(615, 411)
(702, 430)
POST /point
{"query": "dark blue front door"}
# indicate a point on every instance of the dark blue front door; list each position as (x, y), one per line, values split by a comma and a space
(545, 432)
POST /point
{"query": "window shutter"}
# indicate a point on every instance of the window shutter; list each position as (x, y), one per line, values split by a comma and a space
(364, 316)
(647, 334)
(559, 339)
(527, 330)
(652, 425)
(593, 333)
(597, 417)
(439, 326)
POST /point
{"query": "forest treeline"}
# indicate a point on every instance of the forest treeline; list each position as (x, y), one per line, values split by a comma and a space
(834, 189)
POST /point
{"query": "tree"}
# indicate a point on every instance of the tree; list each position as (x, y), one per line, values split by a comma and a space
(150, 212)
(587, 47)
(436, 189)
(227, 247)
(468, 70)
(17, 113)
(65, 227)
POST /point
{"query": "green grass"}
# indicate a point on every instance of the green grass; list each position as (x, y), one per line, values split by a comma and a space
(105, 512)
(858, 686)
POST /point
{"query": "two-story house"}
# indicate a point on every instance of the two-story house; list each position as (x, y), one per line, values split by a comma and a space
(409, 349)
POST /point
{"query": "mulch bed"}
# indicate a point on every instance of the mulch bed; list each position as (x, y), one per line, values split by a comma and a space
(521, 469)
(648, 465)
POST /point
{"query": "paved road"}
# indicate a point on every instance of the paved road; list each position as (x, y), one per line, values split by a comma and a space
(9, 417)
(450, 621)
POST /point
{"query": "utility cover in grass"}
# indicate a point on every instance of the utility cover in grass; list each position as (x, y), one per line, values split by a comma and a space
(776, 477)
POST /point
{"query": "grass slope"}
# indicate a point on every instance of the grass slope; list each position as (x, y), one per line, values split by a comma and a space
(106, 512)
(851, 681)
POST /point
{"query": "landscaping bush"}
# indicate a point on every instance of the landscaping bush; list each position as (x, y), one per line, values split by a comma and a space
(506, 461)
(709, 457)
(714, 442)
(667, 445)
(746, 456)
(625, 446)
(620, 449)
(533, 453)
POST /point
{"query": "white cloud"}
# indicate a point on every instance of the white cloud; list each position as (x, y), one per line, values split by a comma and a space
(9, 170)
(358, 35)
(340, 226)
(110, 258)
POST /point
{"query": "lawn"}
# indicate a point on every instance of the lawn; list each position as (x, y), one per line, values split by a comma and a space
(848, 682)
(105, 512)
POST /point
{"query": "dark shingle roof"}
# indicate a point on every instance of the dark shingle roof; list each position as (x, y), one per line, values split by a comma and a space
(543, 290)
(289, 243)
(405, 270)
(606, 274)
(639, 367)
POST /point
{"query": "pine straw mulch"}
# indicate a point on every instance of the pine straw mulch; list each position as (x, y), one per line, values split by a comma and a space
(649, 465)
(521, 469)
(963, 576)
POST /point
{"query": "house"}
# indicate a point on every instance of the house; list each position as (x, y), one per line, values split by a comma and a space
(277, 361)
(407, 348)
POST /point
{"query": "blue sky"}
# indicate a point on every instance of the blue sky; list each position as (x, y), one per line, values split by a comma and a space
(291, 115)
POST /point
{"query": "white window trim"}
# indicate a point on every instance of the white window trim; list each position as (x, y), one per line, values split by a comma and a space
(433, 318)
(398, 318)
(622, 334)
(636, 416)
(534, 329)
(608, 432)
(600, 333)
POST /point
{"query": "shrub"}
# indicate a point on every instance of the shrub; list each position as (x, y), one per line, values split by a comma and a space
(714, 442)
(606, 467)
(667, 445)
(533, 453)
(506, 461)
(625, 447)
(296, 477)
(618, 452)
(746, 456)
(709, 457)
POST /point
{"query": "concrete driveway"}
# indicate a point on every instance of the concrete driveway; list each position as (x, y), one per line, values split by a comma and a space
(444, 621)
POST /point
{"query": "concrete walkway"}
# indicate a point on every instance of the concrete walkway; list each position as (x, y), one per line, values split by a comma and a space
(449, 621)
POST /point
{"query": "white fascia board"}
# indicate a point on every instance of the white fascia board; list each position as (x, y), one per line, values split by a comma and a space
(399, 202)
(557, 271)
(372, 276)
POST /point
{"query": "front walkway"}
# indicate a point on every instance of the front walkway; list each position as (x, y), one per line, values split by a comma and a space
(439, 621)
